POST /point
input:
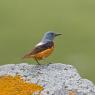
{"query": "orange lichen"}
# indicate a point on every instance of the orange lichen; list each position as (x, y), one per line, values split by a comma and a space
(72, 93)
(10, 85)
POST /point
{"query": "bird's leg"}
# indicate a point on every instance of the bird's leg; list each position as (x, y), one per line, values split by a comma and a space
(48, 63)
(37, 61)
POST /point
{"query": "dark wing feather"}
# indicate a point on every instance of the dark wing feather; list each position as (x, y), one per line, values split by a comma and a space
(40, 48)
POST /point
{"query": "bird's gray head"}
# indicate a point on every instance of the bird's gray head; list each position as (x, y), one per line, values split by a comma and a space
(49, 36)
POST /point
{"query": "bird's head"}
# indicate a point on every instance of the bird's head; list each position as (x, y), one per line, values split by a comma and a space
(49, 36)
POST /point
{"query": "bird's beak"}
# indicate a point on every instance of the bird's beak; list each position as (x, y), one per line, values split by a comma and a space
(57, 34)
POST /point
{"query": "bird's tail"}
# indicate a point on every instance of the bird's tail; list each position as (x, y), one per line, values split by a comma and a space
(26, 56)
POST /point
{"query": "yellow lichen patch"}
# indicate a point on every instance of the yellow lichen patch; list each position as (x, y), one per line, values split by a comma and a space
(10, 85)
(72, 93)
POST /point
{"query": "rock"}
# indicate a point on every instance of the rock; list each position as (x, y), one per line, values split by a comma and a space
(57, 79)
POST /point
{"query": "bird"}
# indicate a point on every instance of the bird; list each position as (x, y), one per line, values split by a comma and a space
(44, 48)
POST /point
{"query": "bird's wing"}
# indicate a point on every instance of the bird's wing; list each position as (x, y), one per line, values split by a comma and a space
(40, 48)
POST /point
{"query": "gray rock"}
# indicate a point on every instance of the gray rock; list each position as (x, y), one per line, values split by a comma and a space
(57, 79)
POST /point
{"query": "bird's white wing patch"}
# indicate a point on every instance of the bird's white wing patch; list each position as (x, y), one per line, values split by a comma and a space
(40, 43)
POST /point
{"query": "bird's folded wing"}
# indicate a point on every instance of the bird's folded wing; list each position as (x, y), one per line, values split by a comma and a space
(41, 48)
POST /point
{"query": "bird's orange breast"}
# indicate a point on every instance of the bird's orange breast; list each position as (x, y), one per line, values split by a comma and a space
(43, 54)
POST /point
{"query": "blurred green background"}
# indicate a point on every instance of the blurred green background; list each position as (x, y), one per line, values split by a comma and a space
(23, 23)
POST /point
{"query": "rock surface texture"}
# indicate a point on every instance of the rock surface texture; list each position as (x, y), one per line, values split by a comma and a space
(57, 79)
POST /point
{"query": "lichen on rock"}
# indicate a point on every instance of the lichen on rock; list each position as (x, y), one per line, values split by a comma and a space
(10, 85)
(57, 79)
